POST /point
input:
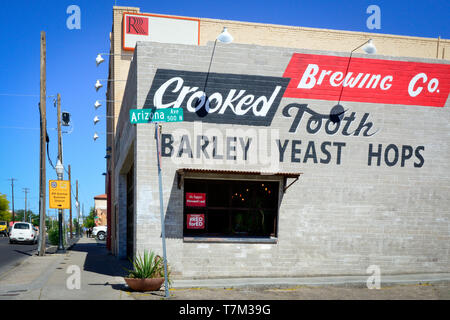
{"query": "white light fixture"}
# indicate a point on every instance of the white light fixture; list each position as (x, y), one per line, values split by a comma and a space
(225, 36)
(337, 112)
(95, 136)
(99, 59)
(96, 119)
(370, 48)
(59, 168)
(98, 85)
(97, 104)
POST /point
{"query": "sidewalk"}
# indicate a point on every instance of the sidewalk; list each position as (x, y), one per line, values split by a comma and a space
(101, 278)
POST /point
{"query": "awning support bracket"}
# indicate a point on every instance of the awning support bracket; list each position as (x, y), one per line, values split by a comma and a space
(287, 187)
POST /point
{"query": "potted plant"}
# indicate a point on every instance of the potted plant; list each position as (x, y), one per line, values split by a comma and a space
(147, 273)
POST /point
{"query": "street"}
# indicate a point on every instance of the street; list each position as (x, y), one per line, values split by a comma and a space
(12, 254)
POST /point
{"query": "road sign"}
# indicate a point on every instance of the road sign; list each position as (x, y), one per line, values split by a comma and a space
(156, 115)
(59, 194)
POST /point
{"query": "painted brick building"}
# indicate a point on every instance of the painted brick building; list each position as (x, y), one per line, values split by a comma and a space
(291, 160)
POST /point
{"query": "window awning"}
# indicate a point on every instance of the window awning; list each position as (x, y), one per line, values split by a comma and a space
(294, 175)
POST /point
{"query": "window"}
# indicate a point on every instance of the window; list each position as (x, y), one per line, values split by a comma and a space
(230, 208)
(23, 226)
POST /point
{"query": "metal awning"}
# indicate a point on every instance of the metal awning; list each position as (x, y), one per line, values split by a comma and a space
(294, 175)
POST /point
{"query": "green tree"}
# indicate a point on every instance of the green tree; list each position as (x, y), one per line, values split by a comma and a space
(18, 216)
(89, 221)
(5, 215)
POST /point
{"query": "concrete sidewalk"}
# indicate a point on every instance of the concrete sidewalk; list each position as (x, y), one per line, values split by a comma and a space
(54, 277)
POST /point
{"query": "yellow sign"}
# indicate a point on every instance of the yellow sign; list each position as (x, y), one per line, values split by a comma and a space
(59, 194)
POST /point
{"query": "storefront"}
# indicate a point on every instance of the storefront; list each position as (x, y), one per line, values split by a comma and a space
(289, 162)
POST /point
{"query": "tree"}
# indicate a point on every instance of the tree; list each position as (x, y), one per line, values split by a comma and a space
(89, 221)
(20, 213)
(5, 215)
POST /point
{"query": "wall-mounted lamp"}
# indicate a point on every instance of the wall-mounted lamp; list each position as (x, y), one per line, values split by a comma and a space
(97, 119)
(99, 59)
(225, 36)
(97, 103)
(96, 136)
(98, 84)
(337, 112)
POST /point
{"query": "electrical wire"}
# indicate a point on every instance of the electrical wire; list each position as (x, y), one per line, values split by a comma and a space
(22, 95)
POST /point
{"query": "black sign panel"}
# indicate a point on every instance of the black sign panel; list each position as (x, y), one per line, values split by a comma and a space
(218, 97)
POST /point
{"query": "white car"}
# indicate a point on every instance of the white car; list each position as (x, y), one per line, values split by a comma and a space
(100, 232)
(23, 232)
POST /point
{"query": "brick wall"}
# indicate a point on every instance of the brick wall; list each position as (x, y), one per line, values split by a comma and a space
(337, 219)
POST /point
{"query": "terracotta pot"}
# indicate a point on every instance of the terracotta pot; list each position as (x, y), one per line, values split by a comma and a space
(153, 284)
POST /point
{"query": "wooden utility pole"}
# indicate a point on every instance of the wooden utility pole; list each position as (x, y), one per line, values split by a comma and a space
(70, 216)
(59, 128)
(26, 190)
(78, 208)
(43, 121)
(12, 197)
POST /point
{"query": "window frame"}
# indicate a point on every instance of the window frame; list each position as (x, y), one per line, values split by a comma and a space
(272, 238)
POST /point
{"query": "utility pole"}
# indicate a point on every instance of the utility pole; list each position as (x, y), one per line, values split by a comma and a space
(70, 215)
(43, 122)
(78, 208)
(60, 173)
(26, 190)
(12, 196)
(59, 128)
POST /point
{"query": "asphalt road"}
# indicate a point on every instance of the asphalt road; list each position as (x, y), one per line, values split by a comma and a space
(12, 254)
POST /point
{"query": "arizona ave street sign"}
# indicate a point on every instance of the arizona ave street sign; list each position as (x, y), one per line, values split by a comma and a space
(59, 194)
(158, 115)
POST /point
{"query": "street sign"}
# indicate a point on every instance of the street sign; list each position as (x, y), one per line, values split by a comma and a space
(59, 194)
(156, 115)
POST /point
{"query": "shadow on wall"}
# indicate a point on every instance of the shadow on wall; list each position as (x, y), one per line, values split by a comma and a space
(173, 220)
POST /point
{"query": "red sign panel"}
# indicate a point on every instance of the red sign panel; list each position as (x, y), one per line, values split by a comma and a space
(195, 199)
(324, 77)
(137, 25)
(196, 221)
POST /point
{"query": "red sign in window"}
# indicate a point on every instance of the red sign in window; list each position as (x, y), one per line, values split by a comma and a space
(196, 221)
(137, 25)
(195, 199)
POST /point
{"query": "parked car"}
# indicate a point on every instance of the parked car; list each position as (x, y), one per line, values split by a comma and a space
(3, 229)
(100, 232)
(23, 232)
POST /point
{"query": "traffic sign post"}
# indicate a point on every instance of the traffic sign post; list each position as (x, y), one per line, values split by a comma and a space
(59, 194)
(156, 116)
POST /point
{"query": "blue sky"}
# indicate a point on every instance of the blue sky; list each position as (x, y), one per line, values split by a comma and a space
(71, 70)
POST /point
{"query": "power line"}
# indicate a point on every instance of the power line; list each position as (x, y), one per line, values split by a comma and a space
(19, 128)
(22, 95)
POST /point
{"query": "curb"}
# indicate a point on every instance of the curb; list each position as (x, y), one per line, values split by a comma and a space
(344, 281)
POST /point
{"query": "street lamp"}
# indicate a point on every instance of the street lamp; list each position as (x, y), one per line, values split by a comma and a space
(60, 171)
(337, 112)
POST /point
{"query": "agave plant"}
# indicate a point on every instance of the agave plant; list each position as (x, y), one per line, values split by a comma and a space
(147, 266)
